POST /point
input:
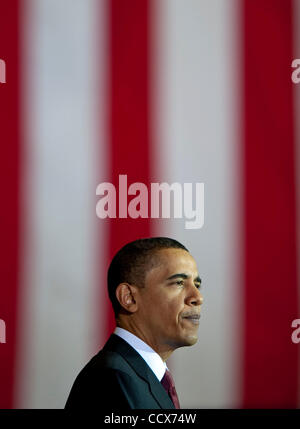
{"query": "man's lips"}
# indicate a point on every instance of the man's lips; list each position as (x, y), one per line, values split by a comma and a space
(194, 318)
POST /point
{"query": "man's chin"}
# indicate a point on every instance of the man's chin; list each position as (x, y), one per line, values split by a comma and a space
(189, 340)
(192, 340)
(185, 341)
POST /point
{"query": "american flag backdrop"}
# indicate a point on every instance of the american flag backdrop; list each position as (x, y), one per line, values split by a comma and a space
(162, 91)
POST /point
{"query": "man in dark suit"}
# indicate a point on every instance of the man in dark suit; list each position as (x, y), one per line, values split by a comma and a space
(153, 285)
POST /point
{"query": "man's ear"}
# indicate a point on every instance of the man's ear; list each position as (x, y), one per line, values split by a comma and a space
(125, 294)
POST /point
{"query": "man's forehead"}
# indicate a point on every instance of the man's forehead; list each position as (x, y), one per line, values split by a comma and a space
(170, 261)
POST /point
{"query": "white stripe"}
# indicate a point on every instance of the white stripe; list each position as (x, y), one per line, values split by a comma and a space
(195, 97)
(62, 52)
(296, 88)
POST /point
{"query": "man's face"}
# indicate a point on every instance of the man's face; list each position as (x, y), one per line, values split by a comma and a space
(169, 304)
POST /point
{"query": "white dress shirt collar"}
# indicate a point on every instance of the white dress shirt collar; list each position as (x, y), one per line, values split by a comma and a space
(152, 358)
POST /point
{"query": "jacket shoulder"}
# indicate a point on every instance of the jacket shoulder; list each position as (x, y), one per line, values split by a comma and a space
(107, 376)
(106, 360)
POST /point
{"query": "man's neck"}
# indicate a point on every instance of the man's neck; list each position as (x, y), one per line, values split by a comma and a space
(164, 351)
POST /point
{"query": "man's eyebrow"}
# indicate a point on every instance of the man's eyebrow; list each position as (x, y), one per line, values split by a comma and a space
(183, 276)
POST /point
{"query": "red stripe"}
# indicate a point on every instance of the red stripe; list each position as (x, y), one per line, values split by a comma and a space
(129, 142)
(9, 178)
(270, 296)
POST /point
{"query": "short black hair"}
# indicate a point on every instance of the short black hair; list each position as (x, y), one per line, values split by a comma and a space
(131, 263)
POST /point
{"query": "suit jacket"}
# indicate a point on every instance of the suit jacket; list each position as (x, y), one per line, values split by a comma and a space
(118, 378)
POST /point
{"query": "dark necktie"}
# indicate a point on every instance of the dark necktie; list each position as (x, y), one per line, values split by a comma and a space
(169, 386)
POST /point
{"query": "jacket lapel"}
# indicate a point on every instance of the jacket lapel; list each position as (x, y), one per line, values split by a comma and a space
(134, 359)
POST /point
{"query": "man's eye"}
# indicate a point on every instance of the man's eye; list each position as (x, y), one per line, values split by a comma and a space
(179, 282)
(198, 285)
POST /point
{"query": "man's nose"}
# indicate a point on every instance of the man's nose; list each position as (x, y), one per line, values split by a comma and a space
(195, 297)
